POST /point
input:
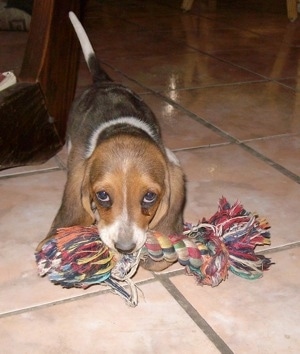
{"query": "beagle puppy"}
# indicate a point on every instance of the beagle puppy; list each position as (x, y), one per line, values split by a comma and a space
(120, 176)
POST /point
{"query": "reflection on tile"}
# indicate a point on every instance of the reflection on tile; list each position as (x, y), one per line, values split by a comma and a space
(253, 315)
(246, 111)
(275, 63)
(187, 70)
(178, 129)
(141, 45)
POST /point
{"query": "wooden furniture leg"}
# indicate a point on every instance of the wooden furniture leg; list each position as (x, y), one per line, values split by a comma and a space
(186, 5)
(33, 112)
(292, 10)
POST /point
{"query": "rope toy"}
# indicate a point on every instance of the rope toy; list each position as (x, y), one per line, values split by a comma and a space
(76, 256)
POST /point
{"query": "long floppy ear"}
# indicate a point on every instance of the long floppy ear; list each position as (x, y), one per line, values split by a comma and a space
(169, 217)
(86, 197)
(74, 209)
(164, 204)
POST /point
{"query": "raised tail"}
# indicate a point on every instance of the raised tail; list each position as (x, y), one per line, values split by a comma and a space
(98, 74)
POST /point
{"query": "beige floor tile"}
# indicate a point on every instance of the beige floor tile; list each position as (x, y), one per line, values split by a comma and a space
(247, 111)
(101, 324)
(141, 45)
(283, 150)
(178, 25)
(18, 171)
(31, 201)
(274, 63)
(231, 172)
(259, 316)
(293, 83)
(210, 37)
(183, 70)
(262, 18)
(180, 131)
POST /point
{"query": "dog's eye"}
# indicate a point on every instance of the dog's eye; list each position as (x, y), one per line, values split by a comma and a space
(149, 199)
(104, 199)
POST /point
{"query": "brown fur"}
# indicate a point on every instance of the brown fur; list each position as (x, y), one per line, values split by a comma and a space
(116, 149)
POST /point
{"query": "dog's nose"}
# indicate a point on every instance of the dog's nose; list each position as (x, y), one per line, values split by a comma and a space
(125, 247)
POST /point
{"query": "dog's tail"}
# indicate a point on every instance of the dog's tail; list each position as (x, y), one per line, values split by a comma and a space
(95, 69)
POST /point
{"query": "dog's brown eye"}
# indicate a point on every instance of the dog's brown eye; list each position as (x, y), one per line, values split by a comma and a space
(104, 199)
(149, 199)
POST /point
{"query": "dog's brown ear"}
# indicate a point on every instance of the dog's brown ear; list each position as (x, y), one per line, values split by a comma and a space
(72, 210)
(75, 208)
(168, 218)
(163, 207)
(86, 197)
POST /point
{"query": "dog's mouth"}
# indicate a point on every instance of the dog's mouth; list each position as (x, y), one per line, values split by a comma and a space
(124, 249)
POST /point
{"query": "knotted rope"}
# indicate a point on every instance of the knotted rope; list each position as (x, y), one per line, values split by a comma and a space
(76, 256)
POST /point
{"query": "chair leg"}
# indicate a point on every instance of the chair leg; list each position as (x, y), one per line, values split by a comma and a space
(51, 56)
(292, 10)
(34, 111)
(27, 135)
(187, 5)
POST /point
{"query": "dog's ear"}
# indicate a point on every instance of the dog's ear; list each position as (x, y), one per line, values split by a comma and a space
(168, 218)
(75, 208)
(164, 204)
(86, 197)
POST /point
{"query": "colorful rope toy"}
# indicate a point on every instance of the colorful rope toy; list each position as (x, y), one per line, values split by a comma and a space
(76, 256)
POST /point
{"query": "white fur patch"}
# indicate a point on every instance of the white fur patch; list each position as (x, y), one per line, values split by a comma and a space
(124, 229)
(135, 122)
(85, 43)
(109, 234)
(172, 157)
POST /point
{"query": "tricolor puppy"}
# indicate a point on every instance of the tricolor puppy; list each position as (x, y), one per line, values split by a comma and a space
(120, 175)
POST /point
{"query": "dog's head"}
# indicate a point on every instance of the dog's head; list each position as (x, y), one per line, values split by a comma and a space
(127, 179)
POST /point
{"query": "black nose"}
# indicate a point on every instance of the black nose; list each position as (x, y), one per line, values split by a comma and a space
(125, 247)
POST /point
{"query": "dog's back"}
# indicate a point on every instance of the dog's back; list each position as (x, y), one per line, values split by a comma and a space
(120, 175)
(94, 106)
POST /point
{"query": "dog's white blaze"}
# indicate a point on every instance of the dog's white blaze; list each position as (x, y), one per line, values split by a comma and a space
(85, 43)
(124, 217)
(135, 122)
(109, 234)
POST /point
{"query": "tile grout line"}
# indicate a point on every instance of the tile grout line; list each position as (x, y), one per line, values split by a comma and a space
(51, 304)
(161, 277)
(216, 57)
(215, 129)
(30, 173)
(232, 139)
(294, 177)
(281, 248)
(291, 175)
(164, 279)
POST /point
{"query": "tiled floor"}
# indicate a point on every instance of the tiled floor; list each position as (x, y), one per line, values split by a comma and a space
(224, 81)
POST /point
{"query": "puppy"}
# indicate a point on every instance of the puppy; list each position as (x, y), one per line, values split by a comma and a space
(120, 176)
